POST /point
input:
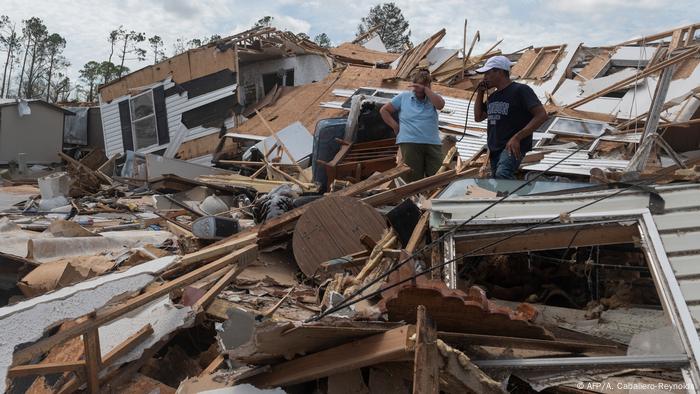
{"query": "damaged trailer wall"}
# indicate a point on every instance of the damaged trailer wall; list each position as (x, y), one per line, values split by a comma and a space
(175, 106)
(19, 134)
(307, 69)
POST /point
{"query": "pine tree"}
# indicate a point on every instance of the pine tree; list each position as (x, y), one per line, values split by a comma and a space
(393, 28)
(322, 40)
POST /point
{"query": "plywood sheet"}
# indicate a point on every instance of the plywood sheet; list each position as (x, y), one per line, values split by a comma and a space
(180, 67)
(205, 61)
(331, 227)
(139, 78)
(594, 66)
(523, 63)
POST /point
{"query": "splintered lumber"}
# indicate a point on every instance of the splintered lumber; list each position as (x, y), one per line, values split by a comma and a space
(283, 222)
(261, 185)
(460, 375)
(45, 369)
(426, 365)
(648, 71)
(93, 359)
(125, 347)
(418, 186)
(282, 146)
(273, 341)
(235, 242)
(216, 289)
(393, 345)
(411, 58)
(239, 257)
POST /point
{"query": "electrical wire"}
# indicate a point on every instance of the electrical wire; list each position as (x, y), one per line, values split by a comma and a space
(472, 253)
(466, 118)
(445, 235)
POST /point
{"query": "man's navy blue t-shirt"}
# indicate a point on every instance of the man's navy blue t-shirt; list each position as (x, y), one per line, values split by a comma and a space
(508, 112)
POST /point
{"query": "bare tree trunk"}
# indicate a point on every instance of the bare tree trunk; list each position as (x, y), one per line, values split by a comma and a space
(24, 63)
(4, 72)
(31, 77)
(9, 77)
(48, 84)
(92, 85)
(121, 65)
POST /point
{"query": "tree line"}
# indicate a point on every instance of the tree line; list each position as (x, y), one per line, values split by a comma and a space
(35, 67)
(34, 57)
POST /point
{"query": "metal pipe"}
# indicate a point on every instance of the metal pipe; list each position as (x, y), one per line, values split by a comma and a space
(665, 361)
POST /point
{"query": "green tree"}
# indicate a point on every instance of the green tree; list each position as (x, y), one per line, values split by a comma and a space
(157, 45)
(10, 42)
(130, 45)
(35, 33)
(394, 30)
(54, 47)
(322, 40)
(110, 71)
(303, 36)
(265, 21)
(90, 72)
(114, 37)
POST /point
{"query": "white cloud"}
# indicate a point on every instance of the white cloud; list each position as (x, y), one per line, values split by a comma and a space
(86, 24)
(292, 24)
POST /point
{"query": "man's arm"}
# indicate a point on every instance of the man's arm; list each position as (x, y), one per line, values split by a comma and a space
(479, 110)
(436, 99)
(539, 116)
(387, 112)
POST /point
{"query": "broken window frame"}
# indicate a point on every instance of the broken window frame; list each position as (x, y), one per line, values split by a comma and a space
(134, 120)
(667, 286)
(552, 129)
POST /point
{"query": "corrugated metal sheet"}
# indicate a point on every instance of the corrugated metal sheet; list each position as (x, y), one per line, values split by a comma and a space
(579, 164)
(175, 105)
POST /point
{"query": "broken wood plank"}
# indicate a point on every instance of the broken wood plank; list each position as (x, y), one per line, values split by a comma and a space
(214, 365)
(426, 364)
(93, 359)
(45, 369)
(128, 345)
(648, 71)
(418, 186)
(123, 348)
(281, 144)
(221, 284)
(393, 345)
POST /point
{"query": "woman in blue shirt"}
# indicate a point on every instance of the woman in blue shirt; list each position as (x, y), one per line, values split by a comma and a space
(417, 129)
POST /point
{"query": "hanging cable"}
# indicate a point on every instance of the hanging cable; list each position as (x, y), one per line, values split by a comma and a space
(449, 232)
(347, 303)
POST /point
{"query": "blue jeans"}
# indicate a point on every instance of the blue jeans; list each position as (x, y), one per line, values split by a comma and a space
(503, 164)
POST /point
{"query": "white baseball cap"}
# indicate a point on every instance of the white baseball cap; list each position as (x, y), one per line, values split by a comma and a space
(500, 62)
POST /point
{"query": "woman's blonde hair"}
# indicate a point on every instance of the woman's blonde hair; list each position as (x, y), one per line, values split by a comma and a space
(422, 77)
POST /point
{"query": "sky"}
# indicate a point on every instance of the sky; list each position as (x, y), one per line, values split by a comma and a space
(86, 24)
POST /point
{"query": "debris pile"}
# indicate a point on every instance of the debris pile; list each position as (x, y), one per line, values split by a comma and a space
(246, 229)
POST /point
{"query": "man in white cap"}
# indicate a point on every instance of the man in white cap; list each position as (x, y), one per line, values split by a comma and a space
(514, 112)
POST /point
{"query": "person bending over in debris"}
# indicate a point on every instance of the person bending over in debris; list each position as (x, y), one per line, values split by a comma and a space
(417, 129)
(514, 112)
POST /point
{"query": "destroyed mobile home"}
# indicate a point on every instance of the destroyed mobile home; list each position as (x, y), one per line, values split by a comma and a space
(247, 228)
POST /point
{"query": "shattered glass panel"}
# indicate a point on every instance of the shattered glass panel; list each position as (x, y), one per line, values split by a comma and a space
(145, 133)
(142, 106)
(577, 127)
